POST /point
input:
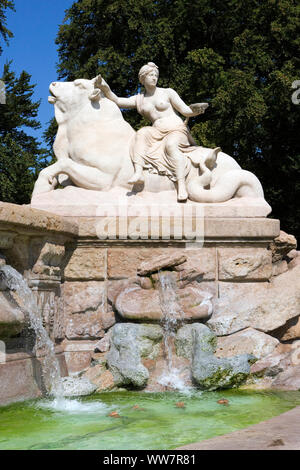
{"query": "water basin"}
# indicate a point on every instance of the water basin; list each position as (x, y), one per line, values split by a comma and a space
(147, 420)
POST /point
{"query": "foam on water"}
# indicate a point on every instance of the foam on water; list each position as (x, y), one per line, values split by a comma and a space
(77, 386)
(72, 406)
(172, 379)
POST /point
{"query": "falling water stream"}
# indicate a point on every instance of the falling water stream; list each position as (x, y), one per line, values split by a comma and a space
(173, 315)
(25, 298)
(56, 386)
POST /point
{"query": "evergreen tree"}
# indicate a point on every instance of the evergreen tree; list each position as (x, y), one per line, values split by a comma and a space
(21, 157)
(241, 56)
(4, 32)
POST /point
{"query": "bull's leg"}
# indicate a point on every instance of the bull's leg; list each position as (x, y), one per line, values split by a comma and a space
(46, 180)
(81, 175)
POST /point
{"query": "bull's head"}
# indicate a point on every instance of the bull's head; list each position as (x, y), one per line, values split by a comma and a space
(71, 96)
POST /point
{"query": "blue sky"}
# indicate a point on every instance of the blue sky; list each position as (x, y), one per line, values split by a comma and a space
(35, 26)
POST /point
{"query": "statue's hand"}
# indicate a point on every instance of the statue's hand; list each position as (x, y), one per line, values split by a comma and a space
(199, 108)
(101, 83)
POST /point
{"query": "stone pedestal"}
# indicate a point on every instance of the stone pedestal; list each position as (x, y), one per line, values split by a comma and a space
(77, 264)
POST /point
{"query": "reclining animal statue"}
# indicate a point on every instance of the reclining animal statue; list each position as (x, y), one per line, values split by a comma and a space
(97, 149)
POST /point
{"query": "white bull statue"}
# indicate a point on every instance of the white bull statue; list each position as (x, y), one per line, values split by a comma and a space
(92, 148)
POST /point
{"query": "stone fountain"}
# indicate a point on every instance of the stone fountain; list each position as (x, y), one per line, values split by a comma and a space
(154, 265)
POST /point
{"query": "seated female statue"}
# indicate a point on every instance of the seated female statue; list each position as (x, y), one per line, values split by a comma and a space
(163, 148)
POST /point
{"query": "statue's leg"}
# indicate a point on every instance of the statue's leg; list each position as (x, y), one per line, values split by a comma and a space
(83, 176)
(139, 150)
(177, 158)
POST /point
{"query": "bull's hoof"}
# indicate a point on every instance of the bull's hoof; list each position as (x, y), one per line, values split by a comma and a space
(44, 184)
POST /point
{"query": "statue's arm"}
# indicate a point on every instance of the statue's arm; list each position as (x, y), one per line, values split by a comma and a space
(183, 108)
(121, 102)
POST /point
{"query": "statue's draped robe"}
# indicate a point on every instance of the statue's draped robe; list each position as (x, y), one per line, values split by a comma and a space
(149, 149)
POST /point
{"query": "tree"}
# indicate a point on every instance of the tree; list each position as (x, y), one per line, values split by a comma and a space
(4, 32)
(241, 56)
(21, 157)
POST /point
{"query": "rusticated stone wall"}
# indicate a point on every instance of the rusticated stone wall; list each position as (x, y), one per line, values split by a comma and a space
(32, 242)
(76, 276)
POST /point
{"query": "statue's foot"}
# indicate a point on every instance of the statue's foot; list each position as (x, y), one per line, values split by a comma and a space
(137, 178)
(182, 195)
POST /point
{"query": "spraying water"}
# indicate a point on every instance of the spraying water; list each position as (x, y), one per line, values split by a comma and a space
(13, 281)
(173, 315)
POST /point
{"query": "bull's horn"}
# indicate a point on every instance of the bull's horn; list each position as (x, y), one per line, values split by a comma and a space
(95, 95)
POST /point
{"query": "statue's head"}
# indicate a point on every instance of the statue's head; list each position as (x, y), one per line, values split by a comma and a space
(146, 69)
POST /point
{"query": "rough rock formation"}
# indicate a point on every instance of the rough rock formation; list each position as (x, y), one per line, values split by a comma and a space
(266, 311)
(282, 245)
(279, 370)
(129, 343)
(246, 341)
(198, 343)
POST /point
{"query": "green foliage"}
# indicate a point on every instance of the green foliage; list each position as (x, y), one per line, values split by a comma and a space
(241, 56)
(4, 32)
(21, 157)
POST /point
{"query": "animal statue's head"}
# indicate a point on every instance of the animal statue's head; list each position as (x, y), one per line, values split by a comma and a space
(71, 97)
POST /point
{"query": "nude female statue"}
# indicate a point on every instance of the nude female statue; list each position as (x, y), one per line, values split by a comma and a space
(164, 146)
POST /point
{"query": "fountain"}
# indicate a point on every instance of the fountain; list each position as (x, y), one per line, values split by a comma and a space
(172, 318)
(132, 290)
(13, 281)
(55, 386)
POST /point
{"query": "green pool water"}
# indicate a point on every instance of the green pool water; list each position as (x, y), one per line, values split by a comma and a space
(157, 424)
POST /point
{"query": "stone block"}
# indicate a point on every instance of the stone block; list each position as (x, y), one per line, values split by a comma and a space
(86, 263)
(18, 381)
(46, 257)
(123, 262)
(85, 310)
(78, 360)
(83, 297)
(84, 326)
(240, 263)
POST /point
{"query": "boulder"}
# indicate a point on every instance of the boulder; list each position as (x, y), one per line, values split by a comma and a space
(279, 267)
(281, 368)
(248, 341)
(292, 255)
(100, 377)
(266, 310)
(104, 343)
(282, 245)
(134, 303)
(294, 262)
(129, 343)
(212, 373)
(289, 379)
(198, 343)
(288, 332)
